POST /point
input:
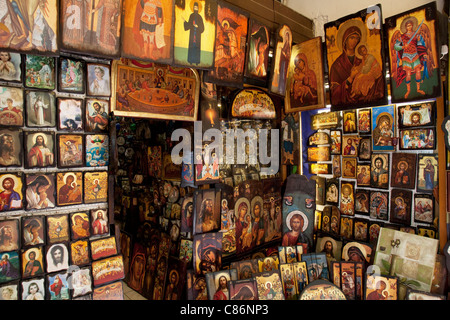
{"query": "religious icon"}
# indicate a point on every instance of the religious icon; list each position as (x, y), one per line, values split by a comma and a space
(57, 286)
(401, 202)
(363, 175)
(9, 291)
(148, 30)
(427, 174)
(416, 115)
(364, 121)
(57, 257)
(145, 89)
(412, 38)
(321, 153)
(417, 139)
(40, 109)
(71, 75)
(258, 43)
(423, 208)
(98, 80)
(33, 231)
(348, 280)
(97, 150)
(57, 228)
(11, 192)
(79, 253)
(206, 165)
(33, 289)
(336, 166)
(322, 290)
(70, 114)
(381, 288)
(346, 230)
(349, 167)
(107, 270)
(207, 213)
(81, 281)
(253, 103)
(347, 204)
(40, 72)
(207, 252)
(9, 235)
(95, 186)
(350, 146)
(40, 191)
(379, 205)
(10, 66)
(305, 79)
(218, 284)
(70, 150)
(112, 291)
(243, 289)
(32, 26)
(356, 60)
(11, 106)
(176, 279)
(336, 142)
(104, 247)
(269, 285)
(32, 262)
(195, 32)
(349, 121)
(332, 191)
(383, 123)
(99, 222)
(316, 264)
(79, 225)
(137, 268)
(282, 56)
(10, 148)
(331, 247)
(362, 201)
(365, 148)
(97, 118)
(403, 170)
(325, 120)
(360, 232)
(379, 174)
(69, 188)
(40, 148)
(91, 27)
(229, 50)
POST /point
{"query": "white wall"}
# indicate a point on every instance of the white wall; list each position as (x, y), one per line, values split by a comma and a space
(322, 11)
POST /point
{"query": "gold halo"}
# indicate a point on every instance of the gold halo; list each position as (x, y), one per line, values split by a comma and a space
(39, 134)
(80, 214)
(357, 48)
(289, 217)
(36, 251)
(353, 244)
(102, 211)
(414, 21)
(347, 24)
(391, 119)
(405, 163)
(191, 5)
(15, 179)
(69, 174)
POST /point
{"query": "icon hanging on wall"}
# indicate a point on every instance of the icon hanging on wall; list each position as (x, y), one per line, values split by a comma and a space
(282, 56)
(40, 72)
(305, 87)
(195, 33)
(148, 30)
(40, 109)
(32, 27)
(355, 60)
(69, 188)
(412, 39)
(258, 45)
(71, 75)
(11, 66)
(156, 98)
(95, 186)
(40, 191)
(229, 55)
(11, 191)
(11, 147)
(11, 106)
(70, 150)
(92, 27)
